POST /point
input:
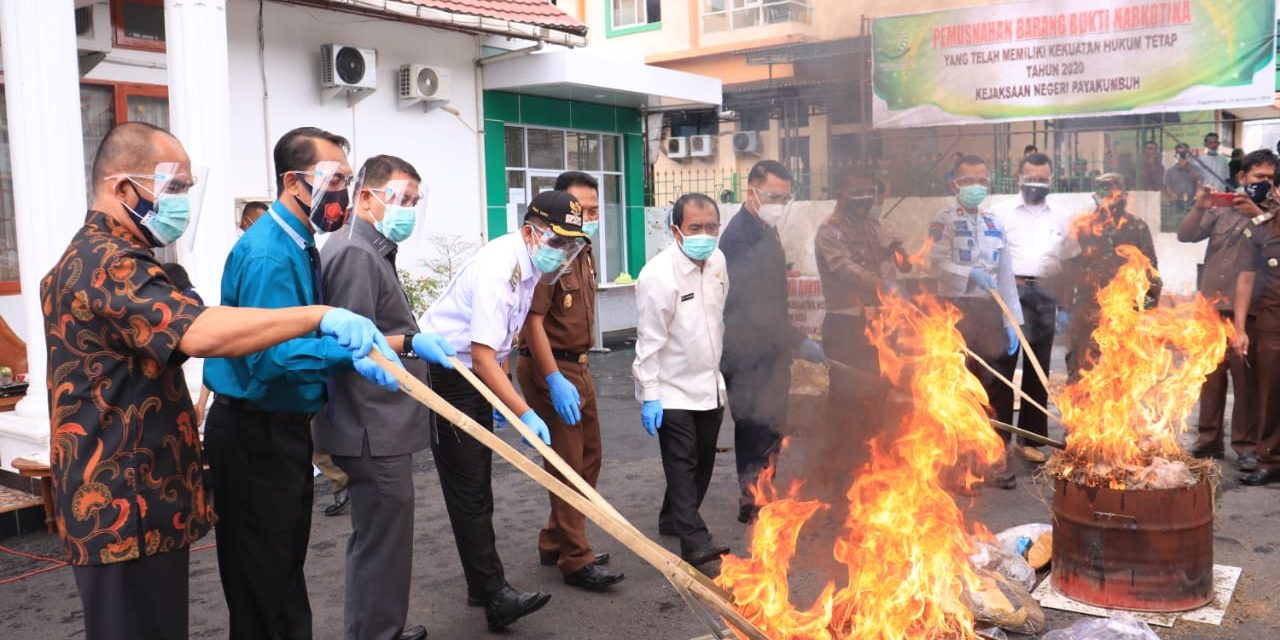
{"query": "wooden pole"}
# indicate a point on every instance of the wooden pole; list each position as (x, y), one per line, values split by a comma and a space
(604, 518)
(578, 482)
(1022, 338)
(1025, 398)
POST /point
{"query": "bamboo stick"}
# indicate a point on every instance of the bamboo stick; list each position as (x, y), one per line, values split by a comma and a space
(603, 517)
(1025, 398)
(1022, 338)
(578, 482)
(1027, 434)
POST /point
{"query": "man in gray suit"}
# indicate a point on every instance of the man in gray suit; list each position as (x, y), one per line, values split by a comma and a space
(372, 433)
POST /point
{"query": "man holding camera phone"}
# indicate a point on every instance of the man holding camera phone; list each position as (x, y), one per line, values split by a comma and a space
(1225, 220)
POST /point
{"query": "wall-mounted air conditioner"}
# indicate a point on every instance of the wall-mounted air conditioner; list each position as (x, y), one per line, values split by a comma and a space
(677, 147)
(703, 146)
(422, 83)
(746, 143)
(347, 69)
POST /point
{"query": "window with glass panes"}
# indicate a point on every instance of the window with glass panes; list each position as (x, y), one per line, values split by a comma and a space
(536, 156)
(102, 106)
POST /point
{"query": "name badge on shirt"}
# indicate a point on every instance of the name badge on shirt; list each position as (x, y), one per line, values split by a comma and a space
(686, 297)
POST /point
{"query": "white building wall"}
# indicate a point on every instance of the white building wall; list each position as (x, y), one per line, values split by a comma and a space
(445, 148)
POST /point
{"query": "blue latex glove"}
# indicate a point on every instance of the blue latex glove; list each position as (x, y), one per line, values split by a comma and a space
(651, 416)
(565, 398)
(376, 374)
(433, 349)
(811, 351)
(982, 279)
(354, 332)
(499, 420)
(538, 427)
(1013, 340)
(1063, 321)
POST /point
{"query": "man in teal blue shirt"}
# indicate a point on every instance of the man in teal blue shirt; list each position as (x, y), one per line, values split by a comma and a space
(258, 437)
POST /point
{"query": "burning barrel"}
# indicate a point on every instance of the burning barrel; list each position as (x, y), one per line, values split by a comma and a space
(1141, 550)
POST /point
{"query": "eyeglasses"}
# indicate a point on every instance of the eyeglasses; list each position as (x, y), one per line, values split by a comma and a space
(171, 185)
(336, 181)
(553, 240)
(389, 197)
(768, 197)
(969, 181)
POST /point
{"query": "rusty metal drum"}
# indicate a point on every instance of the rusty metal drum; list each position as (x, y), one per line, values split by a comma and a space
(1147, 550)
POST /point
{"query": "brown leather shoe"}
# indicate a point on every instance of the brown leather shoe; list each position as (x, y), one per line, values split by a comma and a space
(1033, 455)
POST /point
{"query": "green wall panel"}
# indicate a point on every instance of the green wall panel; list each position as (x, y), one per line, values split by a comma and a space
(502, 108)
(634, 170)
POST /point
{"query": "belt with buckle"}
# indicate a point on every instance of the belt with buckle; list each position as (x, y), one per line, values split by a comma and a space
(560, 354)
(240, 404)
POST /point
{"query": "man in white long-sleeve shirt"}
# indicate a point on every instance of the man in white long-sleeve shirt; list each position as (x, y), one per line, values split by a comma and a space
(680, 297)
(1036, 230)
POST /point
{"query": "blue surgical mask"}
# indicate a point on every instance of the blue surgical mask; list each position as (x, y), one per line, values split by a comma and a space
(591, 227)
(397, 223)
(163, 220)
(548, 259)
(699, 247)
(971, 197)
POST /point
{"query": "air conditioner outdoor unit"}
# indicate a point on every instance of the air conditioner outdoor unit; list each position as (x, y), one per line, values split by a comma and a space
(422, 83)
(347, 69)
(93, 26)
(677, 147)
(703, 146)
(746, 143)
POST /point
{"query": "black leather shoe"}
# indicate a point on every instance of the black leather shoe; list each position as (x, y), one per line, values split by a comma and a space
(1247, 463)
(705, 554)
(1208, 454)
(1261, 477)
(594, 577)
(510, 604)
(341, 498)
(414, 633)
(602, 558)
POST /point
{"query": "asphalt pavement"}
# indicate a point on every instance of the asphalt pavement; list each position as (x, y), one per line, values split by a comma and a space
(644, 606)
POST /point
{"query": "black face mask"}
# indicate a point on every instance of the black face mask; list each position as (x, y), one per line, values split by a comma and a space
(1034, 193)
(1182, 155)
(1258, 192)
(332, 212)
(856, 206)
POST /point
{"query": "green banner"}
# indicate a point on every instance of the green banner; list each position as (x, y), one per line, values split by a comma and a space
(1050, 59)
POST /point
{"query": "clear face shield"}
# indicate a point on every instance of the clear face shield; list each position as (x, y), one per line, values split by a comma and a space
(394, 209)
(169, 203)
(554, 254)
(329, 201)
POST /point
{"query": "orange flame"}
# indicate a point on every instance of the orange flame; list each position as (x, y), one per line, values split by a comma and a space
(918, 259)
(905, 544)
(1132, 403)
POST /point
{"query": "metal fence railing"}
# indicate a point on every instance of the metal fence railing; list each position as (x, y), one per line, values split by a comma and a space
(726, 186)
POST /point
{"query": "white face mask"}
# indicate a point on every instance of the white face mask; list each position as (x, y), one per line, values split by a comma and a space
(770, 214)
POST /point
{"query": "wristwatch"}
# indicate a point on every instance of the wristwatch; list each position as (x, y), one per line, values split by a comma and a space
(406, 350)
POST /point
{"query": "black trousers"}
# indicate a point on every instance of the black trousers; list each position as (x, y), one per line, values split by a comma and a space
(687, 440)
(1039, 312)
(143, 598)
(758, 401)
(380, 549)
(982, 327)
(260, 465)
(466, 470)
(855, 398)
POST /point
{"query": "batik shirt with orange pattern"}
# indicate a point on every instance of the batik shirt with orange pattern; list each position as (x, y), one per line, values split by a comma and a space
(127, 472)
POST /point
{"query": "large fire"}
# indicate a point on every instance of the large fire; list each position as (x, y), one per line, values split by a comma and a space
(905, 543)
(1129, 406)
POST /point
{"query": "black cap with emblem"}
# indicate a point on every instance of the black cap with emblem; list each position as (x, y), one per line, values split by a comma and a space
(560, 210)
